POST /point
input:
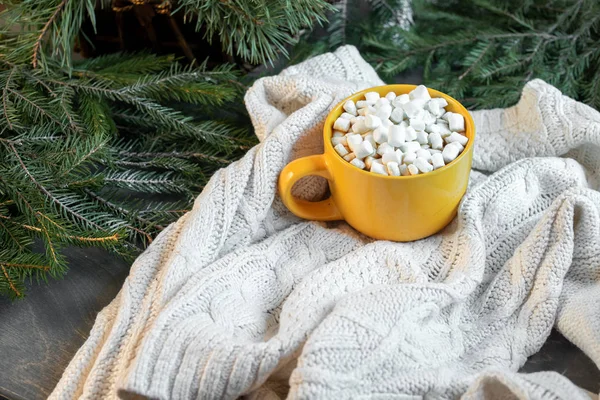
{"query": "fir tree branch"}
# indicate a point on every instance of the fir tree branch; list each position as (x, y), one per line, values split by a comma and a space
(49, 244)
(35, 105)
(51, 196)
(115, 237)
(68, 113)
(99, 146)
(5, 97)
(474, 64)
(10, 282)
(123, 211)
(500, 11)
(14, 239)
(38, 42)
(243, 14)
(29, 266)
(177, 154)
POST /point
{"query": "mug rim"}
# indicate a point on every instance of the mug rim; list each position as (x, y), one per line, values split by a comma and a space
(400, 89)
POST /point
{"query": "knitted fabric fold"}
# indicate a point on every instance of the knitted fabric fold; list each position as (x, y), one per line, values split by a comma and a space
(239, 297)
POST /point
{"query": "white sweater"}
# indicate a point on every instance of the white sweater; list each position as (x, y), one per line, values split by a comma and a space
(239, 297)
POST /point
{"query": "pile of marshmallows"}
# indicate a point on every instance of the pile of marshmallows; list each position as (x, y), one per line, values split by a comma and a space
(404, 135)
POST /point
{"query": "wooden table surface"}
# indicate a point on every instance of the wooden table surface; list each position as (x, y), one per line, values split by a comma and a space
(40, 334)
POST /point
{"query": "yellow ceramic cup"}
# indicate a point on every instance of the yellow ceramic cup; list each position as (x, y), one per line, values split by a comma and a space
(400, 208)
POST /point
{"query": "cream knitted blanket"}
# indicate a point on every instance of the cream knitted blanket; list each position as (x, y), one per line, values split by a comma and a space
(239, 297)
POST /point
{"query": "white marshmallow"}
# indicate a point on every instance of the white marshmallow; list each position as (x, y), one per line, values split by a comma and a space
(399, 135)
(457, 137)
(412, 170)
(354, 141)
(391, 156)
(443, 129)
(358, 163)
(372, 121)
(433, 107)
(423, 165)
(397, 115)
(420, 92)
(384, 112)
(371, 97)
(450, 153)
(428, 118)
(422, 137)
(404, 170)
(368, 160)
(413, 108)
(356, 119)
(437, 160)
(436, 106)
(400, 156)
(350, 107)
(383, 101)
(402, 99)
(436, 141)
(417, 124)
(378, 168)
(393, 168)
(359, 127)
(396, 135)
(410, 147)
(409, 158)
(381, 134)
(386, 122)
(341, 124)
(384, 148)
(432, 128)
(364, 149)
(339, 140)
(366, 111)
(422, 153)
(369, 138)
(390, 96)
(442, 102)
(340, 149)
(411, 134)
(456, 122)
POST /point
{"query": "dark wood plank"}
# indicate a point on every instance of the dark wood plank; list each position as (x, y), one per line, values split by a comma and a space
(40, 334)
(560, 355)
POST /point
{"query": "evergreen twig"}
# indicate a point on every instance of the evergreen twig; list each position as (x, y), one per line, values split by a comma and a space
(482, 51)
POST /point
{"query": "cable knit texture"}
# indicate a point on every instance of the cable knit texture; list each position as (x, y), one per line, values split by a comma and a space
(239, 297)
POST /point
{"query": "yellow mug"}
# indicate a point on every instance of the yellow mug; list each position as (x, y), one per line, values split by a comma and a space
(399, 208)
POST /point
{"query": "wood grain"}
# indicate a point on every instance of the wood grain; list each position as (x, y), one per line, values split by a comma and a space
(41, 333)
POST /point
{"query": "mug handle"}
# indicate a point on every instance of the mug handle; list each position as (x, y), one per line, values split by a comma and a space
(324, 210)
